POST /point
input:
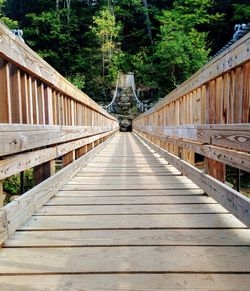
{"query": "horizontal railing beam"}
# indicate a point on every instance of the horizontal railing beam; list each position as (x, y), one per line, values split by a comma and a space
(233, 201)
(226, 156)
(18, 138)
(15, 164)
(233, 136)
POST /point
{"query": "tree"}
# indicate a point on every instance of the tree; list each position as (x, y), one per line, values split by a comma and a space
(107, 31)
(182, 49)
(12, 24)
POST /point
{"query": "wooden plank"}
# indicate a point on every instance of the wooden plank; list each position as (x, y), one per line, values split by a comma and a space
(18, 163)
(21, 162)
(24, 98)
(124, 259)
(130, 209)
(71, 146)
(42, 172)
(173, 282)
(129, 187)
(120, 200)
(100, 193)
(226, 137)
(246, 94)
(146, 237)
(130, 180)
(21, 138)
(3, 227)
(5, 116)
(132, 222)
(68, 158)
(232, 200)
(15, 93)
(2, 196)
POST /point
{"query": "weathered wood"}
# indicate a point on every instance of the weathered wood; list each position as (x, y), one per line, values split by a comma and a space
(68, 158)
(230, 157)
(130, 209)
(130, 180)
(21, 162)
(5, 93)
(1, 194)
(231, 136)
(130, 187)
(174, 282)
(42, 172)
(132, 222)
(18, 138)
(141, 192)
(146, 237)
(232, 200)
(129, 200)
(3, 227)
(123, 259)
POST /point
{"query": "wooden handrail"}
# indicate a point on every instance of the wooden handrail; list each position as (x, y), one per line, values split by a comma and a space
(209, 115)
(25, 75)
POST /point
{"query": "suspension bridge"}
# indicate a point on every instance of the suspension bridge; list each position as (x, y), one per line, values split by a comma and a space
(147, 210)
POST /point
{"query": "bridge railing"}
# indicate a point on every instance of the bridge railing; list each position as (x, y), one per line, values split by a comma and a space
(42, 117)
(207, 116)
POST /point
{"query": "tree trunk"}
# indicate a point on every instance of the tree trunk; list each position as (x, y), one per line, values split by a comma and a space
(68, 5)
(147, 21)
(57, 5)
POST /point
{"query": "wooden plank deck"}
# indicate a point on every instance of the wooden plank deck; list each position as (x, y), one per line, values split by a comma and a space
(128, 221)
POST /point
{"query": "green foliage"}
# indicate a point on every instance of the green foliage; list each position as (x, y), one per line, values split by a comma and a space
(77, 80)
(182, 49)
(11, 185)
(11, 24)
(241, 12)
(162, 41)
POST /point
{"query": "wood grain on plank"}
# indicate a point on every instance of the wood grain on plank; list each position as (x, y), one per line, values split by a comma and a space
(100, 193)
(3, 227)
(119, 200)
(133, 221)
(127, 186)
(131, 209)
(212, 237)
(124, 259)
(125, 282)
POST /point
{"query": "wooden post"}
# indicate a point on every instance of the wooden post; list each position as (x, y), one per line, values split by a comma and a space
(22, 182)
(1, 194)
(43, 171)
(215, 169)
(68, 158)
(52, 167)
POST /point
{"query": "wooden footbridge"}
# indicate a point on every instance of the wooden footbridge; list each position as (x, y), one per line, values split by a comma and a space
(127, 211)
